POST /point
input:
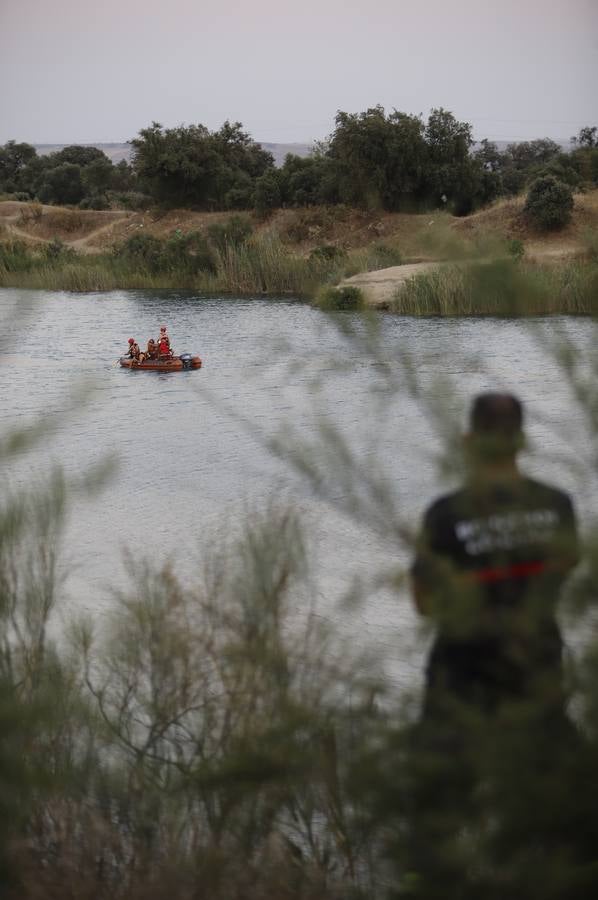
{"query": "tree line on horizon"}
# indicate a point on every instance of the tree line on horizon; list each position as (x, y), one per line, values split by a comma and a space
(391, 161)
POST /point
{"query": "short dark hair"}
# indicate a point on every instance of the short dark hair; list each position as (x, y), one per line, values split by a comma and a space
(496, 414)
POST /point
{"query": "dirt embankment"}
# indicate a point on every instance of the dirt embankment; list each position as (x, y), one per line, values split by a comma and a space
(424, 240)
(419, 236)
(92, 231)
(503, 220)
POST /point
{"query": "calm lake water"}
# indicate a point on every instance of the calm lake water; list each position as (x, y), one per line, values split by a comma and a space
(192, 446)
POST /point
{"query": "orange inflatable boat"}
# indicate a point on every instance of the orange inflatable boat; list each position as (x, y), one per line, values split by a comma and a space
(174, 364)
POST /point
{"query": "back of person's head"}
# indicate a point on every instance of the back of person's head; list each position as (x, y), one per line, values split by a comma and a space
(496, 426)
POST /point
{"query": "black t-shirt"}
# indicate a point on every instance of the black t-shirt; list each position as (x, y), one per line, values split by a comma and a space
(491, 559)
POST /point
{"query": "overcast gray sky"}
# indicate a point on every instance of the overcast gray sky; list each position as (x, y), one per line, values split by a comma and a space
(78, 70)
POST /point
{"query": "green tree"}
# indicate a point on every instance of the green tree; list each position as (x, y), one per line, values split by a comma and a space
(79, 155)
(31, 176)
(123, 177)
(378, 159)
(397, 161)
(14, 158)
(587, 137)
(192, 166)
(585, 155)
(240, 151)
(268, 194)
(524, 161)
(490, 156)
(62, 184)
(564, 167)
(308, 181)
(453, 176)
(97, 175)
(526, 154)
(449, 141)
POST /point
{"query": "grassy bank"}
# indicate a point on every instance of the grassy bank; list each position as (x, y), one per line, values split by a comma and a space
(263, 266)
(501, 288)
(229, 259)
(267, 266)
(305, 253)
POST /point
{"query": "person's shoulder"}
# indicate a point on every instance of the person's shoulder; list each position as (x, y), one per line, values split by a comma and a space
(445, 505)
(543, 488)
(547, 493)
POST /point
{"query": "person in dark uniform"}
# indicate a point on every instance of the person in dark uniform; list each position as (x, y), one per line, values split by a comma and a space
(490, 563)
(499, 793)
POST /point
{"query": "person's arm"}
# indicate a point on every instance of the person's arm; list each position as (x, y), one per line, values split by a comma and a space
(567, 553)
(419, 594)
(423, 566)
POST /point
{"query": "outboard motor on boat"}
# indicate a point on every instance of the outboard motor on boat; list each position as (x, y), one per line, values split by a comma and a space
(185, 358)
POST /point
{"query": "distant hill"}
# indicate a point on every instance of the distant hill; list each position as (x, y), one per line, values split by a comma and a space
(279, 151)
(502, 145)
(116, 152)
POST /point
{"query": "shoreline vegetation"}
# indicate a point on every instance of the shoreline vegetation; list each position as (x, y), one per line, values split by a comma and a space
(490, 263)
(209, 211)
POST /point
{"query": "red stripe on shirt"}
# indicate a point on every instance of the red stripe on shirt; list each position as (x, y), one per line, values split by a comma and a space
(517, 570)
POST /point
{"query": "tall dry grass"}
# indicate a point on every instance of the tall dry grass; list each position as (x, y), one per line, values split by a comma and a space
(501, 288)
(258, 266)
(267, 266)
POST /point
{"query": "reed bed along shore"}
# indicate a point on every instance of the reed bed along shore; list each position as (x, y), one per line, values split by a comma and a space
(262, 265)
(237, 271)
(501, 288)
(496, 285)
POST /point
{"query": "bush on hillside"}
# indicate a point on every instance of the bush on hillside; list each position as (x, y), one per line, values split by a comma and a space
(62, 185)
(133, 200)
(232, 233)
(268, 195)
(56, 251)
(382, 255)
(14, 257)
(549, 204)
(96, 201)
(188, 253)
(328, 253)
(516, 248)
(346, 298)
(141, 250)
